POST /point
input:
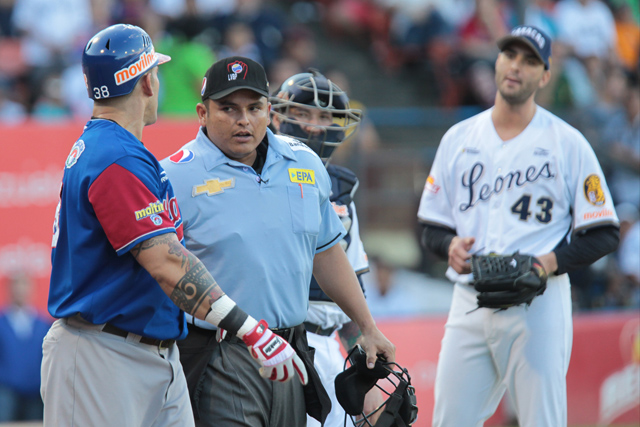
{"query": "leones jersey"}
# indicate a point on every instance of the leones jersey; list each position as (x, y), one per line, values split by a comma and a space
(527, 196)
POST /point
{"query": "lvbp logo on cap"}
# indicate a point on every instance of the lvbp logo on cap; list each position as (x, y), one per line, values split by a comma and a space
(231, 74)
(533, 37)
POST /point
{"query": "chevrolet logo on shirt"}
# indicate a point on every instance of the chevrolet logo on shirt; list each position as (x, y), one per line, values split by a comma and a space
(213, 186)
(302, 176)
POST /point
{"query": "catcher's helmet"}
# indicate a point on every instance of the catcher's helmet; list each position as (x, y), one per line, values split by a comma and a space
(398, 410)
(115, 58)
(313, 90)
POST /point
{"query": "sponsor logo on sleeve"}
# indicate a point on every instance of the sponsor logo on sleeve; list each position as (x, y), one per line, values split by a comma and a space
(76, 151)
(302, 176)
(602, 213)
(182, 156)
(213, 186)
(430, 185)
(151, 212)
(593, 190)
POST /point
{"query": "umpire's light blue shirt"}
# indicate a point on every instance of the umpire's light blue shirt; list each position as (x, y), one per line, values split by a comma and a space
(257, 234)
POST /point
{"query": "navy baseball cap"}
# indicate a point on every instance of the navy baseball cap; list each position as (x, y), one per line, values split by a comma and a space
(231, 74)
(533, 37)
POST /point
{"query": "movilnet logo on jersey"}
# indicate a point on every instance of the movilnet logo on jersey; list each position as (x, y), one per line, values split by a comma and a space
(603, 213)
(132, 71)
(235, 68)
(153, 208)
(532, 34)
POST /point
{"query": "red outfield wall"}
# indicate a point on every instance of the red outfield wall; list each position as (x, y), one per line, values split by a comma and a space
(604, 375)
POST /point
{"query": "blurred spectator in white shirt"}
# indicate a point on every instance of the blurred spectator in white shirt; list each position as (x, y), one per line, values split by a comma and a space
(588, 29)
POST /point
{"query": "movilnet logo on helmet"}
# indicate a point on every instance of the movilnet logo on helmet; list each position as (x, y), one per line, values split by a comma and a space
(530, 33)
(235, 68)
(132, 71)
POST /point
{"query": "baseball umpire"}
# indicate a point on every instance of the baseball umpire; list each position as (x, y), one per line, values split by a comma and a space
(314, 110)
(256, 210)
(121, 277)
(515, 199)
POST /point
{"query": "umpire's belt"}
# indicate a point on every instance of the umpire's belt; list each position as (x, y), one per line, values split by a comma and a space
(285, 333)
(319, 330)
(78, 321)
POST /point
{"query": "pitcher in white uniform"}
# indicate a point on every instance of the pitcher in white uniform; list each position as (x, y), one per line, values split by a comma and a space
(513, 178)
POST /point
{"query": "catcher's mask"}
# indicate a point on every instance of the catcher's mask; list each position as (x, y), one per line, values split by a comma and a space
(312, 90)
(399, 409)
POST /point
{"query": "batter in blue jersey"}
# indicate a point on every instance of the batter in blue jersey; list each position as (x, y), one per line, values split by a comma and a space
(121, 278)
(130, 200)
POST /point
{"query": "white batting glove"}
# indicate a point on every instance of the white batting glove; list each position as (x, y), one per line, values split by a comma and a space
(278, 359)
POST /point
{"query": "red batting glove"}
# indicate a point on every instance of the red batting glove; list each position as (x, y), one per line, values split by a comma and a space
(278, 359)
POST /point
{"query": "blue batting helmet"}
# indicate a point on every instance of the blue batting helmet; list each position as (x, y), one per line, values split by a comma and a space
(115, 58)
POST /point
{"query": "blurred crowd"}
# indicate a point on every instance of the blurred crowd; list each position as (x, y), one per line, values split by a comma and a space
(448, 45)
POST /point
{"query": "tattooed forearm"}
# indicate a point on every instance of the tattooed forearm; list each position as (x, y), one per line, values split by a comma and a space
(167, 260)
(196, 288)
(349, 334)
(175, 248)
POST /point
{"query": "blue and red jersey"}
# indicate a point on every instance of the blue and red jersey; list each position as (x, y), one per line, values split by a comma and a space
(114, 195)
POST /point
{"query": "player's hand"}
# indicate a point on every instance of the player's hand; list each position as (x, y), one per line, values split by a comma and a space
(278, 359)
(459, 255)
(375, 344)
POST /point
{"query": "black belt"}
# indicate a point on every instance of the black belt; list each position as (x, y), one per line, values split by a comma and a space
(114, 330)
(285, 333)
(319, 330)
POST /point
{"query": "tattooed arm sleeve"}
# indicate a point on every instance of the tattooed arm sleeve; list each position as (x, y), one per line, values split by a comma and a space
(181, 274)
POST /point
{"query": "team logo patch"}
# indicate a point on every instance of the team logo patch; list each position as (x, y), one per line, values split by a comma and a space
(204, 85)
(213, 186)
(182, 156)
(302, 176)
(156, 219)
(76, 151)
(430, 185)
(593, 190)
(237, 69)
(151, 212)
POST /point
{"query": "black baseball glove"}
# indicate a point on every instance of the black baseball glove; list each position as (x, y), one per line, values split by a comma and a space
(505, 281)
